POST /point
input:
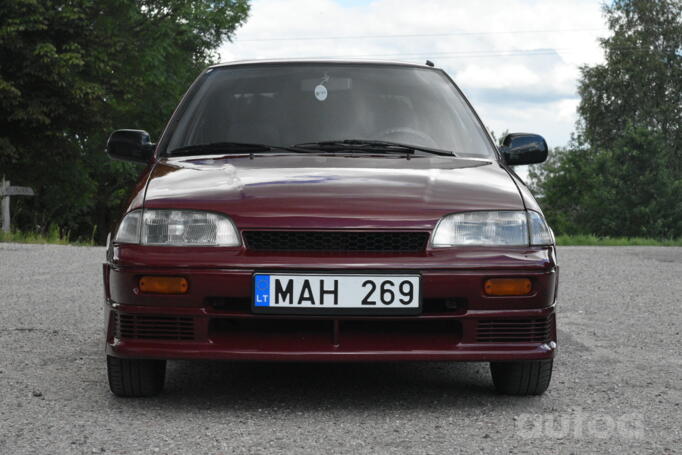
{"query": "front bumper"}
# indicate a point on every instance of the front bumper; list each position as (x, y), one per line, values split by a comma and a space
(216, 335)
(214, 320)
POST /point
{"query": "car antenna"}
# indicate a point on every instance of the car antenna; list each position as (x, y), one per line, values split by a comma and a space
(429, 63)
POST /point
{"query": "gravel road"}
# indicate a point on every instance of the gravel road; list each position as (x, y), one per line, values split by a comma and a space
(616, 386)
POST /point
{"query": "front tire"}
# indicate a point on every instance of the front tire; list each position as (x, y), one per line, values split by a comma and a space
(135, 377)
(522, 378)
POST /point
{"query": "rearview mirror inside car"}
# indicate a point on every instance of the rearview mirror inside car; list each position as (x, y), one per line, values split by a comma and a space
(130, 145)
(523, 148)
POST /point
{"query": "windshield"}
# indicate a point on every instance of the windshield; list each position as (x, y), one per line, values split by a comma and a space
(289, 104)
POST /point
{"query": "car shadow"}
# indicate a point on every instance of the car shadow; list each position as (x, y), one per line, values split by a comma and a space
(303, 387)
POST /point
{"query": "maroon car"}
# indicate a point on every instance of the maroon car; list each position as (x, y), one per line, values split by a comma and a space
(329, 211)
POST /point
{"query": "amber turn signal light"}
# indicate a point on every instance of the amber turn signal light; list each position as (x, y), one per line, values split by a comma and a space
(508, 286)
(163, 284)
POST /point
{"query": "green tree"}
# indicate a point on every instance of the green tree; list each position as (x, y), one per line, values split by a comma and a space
(621, 175)
(73, 70)
(628, 189)
(640, 83)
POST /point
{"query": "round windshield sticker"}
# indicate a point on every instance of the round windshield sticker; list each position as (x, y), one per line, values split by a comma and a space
(321, 92)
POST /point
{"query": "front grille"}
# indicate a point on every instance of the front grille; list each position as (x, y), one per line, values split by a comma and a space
(144, 327)
(336, 241)
(514, 330)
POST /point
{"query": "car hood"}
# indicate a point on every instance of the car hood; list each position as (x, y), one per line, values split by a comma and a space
(323, 191)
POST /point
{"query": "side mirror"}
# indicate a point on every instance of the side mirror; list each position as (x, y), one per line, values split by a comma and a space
(130, 145)
(523, 148)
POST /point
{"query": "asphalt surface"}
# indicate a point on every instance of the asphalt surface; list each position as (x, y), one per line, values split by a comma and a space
(616, 385)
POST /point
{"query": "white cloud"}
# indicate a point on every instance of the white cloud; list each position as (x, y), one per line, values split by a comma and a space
(510, 87)
(497, 77)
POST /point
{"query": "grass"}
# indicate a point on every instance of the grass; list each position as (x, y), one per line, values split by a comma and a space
(593, 240)
(53, 236)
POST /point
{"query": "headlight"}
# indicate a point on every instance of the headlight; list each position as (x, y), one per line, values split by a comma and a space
(513, 228)
(540, 233)
(177, 228)
(129, 229)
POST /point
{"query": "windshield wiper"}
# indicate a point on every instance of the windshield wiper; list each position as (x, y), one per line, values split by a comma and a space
(360, 145)
(230, 147)
(368, 145)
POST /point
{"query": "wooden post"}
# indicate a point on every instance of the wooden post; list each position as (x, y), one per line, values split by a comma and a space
(5, 205)
(5, 192)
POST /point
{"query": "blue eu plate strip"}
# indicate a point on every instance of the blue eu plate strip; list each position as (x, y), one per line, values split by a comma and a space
(262, 290)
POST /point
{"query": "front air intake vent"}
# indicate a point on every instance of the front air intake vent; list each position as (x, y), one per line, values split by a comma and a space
(337, 241)
(514, 330)
(146, 327)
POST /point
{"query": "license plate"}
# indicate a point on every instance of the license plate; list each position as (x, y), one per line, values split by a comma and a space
(336, 294)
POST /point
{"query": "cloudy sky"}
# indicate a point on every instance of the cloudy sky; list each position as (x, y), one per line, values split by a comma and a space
(517, 60)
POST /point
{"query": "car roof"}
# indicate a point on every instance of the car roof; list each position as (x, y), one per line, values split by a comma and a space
(321, 61)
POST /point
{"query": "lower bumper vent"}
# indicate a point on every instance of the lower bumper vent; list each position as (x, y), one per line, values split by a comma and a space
(144, 327)
(514, 330)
